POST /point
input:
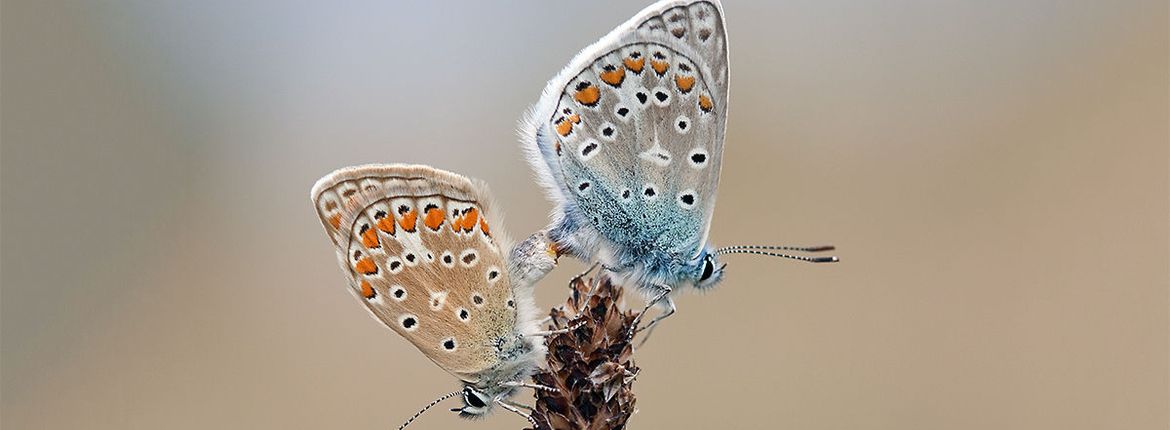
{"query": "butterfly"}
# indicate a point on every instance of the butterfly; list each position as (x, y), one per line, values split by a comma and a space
(627, 141)
(418, 248)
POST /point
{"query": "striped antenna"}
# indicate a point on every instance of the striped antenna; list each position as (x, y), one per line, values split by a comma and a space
(764, 250)
(424, 409)
(821, 248)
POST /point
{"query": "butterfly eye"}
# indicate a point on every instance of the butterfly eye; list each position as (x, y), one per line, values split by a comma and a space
(708, 269)
(472, 399)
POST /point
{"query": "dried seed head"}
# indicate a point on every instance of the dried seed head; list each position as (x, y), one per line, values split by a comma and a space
(592, 367)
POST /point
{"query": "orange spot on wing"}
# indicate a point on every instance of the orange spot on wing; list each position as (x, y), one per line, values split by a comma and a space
(387, 225)
(659, 66)
(366, 266)
(684, 83)
(457, 223)
(587, 94)
(434, 218)
(565, 124)
(635, 64)
(483, 226)
(335, 221)
(564, 127)
(614, 77)
(409, 220)
(370, 238)
(469, 220)
(705, 103)
(367, 290)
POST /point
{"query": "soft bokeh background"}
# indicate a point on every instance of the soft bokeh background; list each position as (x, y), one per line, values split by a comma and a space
(994, 173)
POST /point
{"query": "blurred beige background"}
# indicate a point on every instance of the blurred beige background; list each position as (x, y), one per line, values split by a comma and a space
(994, 173)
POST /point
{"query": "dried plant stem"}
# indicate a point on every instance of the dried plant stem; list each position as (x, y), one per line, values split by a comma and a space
(592, 366)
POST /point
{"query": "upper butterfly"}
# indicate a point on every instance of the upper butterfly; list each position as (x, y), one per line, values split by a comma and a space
(628, 141)
(418, 249)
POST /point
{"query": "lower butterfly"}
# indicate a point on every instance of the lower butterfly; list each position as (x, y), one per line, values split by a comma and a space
(418, 248)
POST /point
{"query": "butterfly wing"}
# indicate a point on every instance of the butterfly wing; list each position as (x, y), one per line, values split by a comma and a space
(629, 137)
(416, 246)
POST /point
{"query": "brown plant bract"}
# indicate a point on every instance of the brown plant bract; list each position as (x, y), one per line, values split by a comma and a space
(592, 366)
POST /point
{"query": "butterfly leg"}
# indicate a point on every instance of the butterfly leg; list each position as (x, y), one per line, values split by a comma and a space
(518, 384)
(654, 322)
(518, 405)
(665, 291)
(583, 274)
(558, 331)
(511, 407)
(597, 279)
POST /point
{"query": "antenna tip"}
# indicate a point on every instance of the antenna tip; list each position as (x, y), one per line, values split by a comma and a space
(821, 248)
(825, 260)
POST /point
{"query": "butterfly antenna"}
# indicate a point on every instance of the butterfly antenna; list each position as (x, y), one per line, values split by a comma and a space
(821, 248)
(757, 250)
(424, 409)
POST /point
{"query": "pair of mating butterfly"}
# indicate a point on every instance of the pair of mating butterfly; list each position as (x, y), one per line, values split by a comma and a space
(628, 142)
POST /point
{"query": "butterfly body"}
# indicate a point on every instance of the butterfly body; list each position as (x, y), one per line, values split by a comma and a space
(628, 140)
(417, 246)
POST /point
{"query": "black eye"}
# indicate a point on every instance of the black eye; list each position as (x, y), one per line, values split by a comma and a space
(708, 269)
(473, 399)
